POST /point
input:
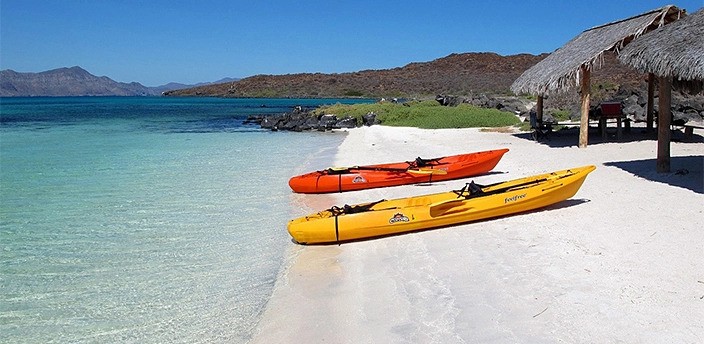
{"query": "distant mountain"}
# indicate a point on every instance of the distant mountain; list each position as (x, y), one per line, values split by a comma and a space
(76, 81)
(177, 86)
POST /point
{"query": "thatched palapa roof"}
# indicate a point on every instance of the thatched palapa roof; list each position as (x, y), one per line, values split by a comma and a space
(675, 50)
(560, 70)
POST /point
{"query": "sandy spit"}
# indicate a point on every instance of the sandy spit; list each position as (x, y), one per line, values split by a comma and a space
(621, 261)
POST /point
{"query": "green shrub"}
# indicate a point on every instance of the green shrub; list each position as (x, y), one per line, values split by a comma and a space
(560, 115)
(425, 114)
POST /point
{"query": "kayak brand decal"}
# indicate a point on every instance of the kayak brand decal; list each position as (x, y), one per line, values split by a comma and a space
(514, 198)
(398, 217)
(358, 179)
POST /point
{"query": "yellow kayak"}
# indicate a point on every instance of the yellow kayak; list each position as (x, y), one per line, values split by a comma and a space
(471, 203)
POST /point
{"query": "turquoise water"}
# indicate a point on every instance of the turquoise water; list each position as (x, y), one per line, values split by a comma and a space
(143, 219)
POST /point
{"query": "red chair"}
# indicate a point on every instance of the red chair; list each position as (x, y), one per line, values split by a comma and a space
(610, 110)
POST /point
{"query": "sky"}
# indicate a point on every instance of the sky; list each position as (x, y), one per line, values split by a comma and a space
(155, 42)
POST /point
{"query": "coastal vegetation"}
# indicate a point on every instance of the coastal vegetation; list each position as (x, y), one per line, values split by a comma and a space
(427, 114)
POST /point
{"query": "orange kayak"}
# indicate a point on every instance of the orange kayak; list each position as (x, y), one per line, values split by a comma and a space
(352, 178)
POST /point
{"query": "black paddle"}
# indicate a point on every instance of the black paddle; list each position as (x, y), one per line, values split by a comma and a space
(344, 170)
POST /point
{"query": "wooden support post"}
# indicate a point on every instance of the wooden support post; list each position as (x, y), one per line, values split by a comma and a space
(649, 107)
(539, 109)
(664, 119)
(584, 119)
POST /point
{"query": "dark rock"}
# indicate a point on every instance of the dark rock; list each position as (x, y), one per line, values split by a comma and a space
(369, 119)
(311, 122)
(347, 122)
(328, 121)
(630, 101)
(269, 122)
(448, 100)
(482, 100)
(684, 117)
(302, 119)
(293, 124)
(635, 112)
(514, 105)
(493, 103)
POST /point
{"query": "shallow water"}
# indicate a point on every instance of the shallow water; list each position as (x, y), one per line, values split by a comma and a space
(144, 225)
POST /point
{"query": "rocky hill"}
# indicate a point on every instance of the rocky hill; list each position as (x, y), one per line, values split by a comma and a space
(456, 74)
(74, 81)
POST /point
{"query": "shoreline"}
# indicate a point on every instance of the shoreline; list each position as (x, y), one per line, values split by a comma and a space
(620, 261)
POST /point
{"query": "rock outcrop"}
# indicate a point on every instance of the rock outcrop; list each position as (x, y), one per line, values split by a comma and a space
(303, 119)
(515, 105)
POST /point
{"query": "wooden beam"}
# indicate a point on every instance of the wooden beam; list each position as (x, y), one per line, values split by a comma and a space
(651, 96)
(664, 119)
(539, 108)
(584, 119)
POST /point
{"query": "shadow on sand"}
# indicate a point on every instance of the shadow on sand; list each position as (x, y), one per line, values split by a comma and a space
(569, 137)
(687, 171)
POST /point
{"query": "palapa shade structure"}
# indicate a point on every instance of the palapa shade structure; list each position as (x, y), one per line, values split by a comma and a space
(571, 64)
(674, 51)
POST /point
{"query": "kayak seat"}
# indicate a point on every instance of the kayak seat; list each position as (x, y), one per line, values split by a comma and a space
(353, 209)
(336, 170)
(475, 189)
(420, 162)
(469, 190)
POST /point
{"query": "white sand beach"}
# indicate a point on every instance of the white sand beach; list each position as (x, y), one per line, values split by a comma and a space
(621, 261)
